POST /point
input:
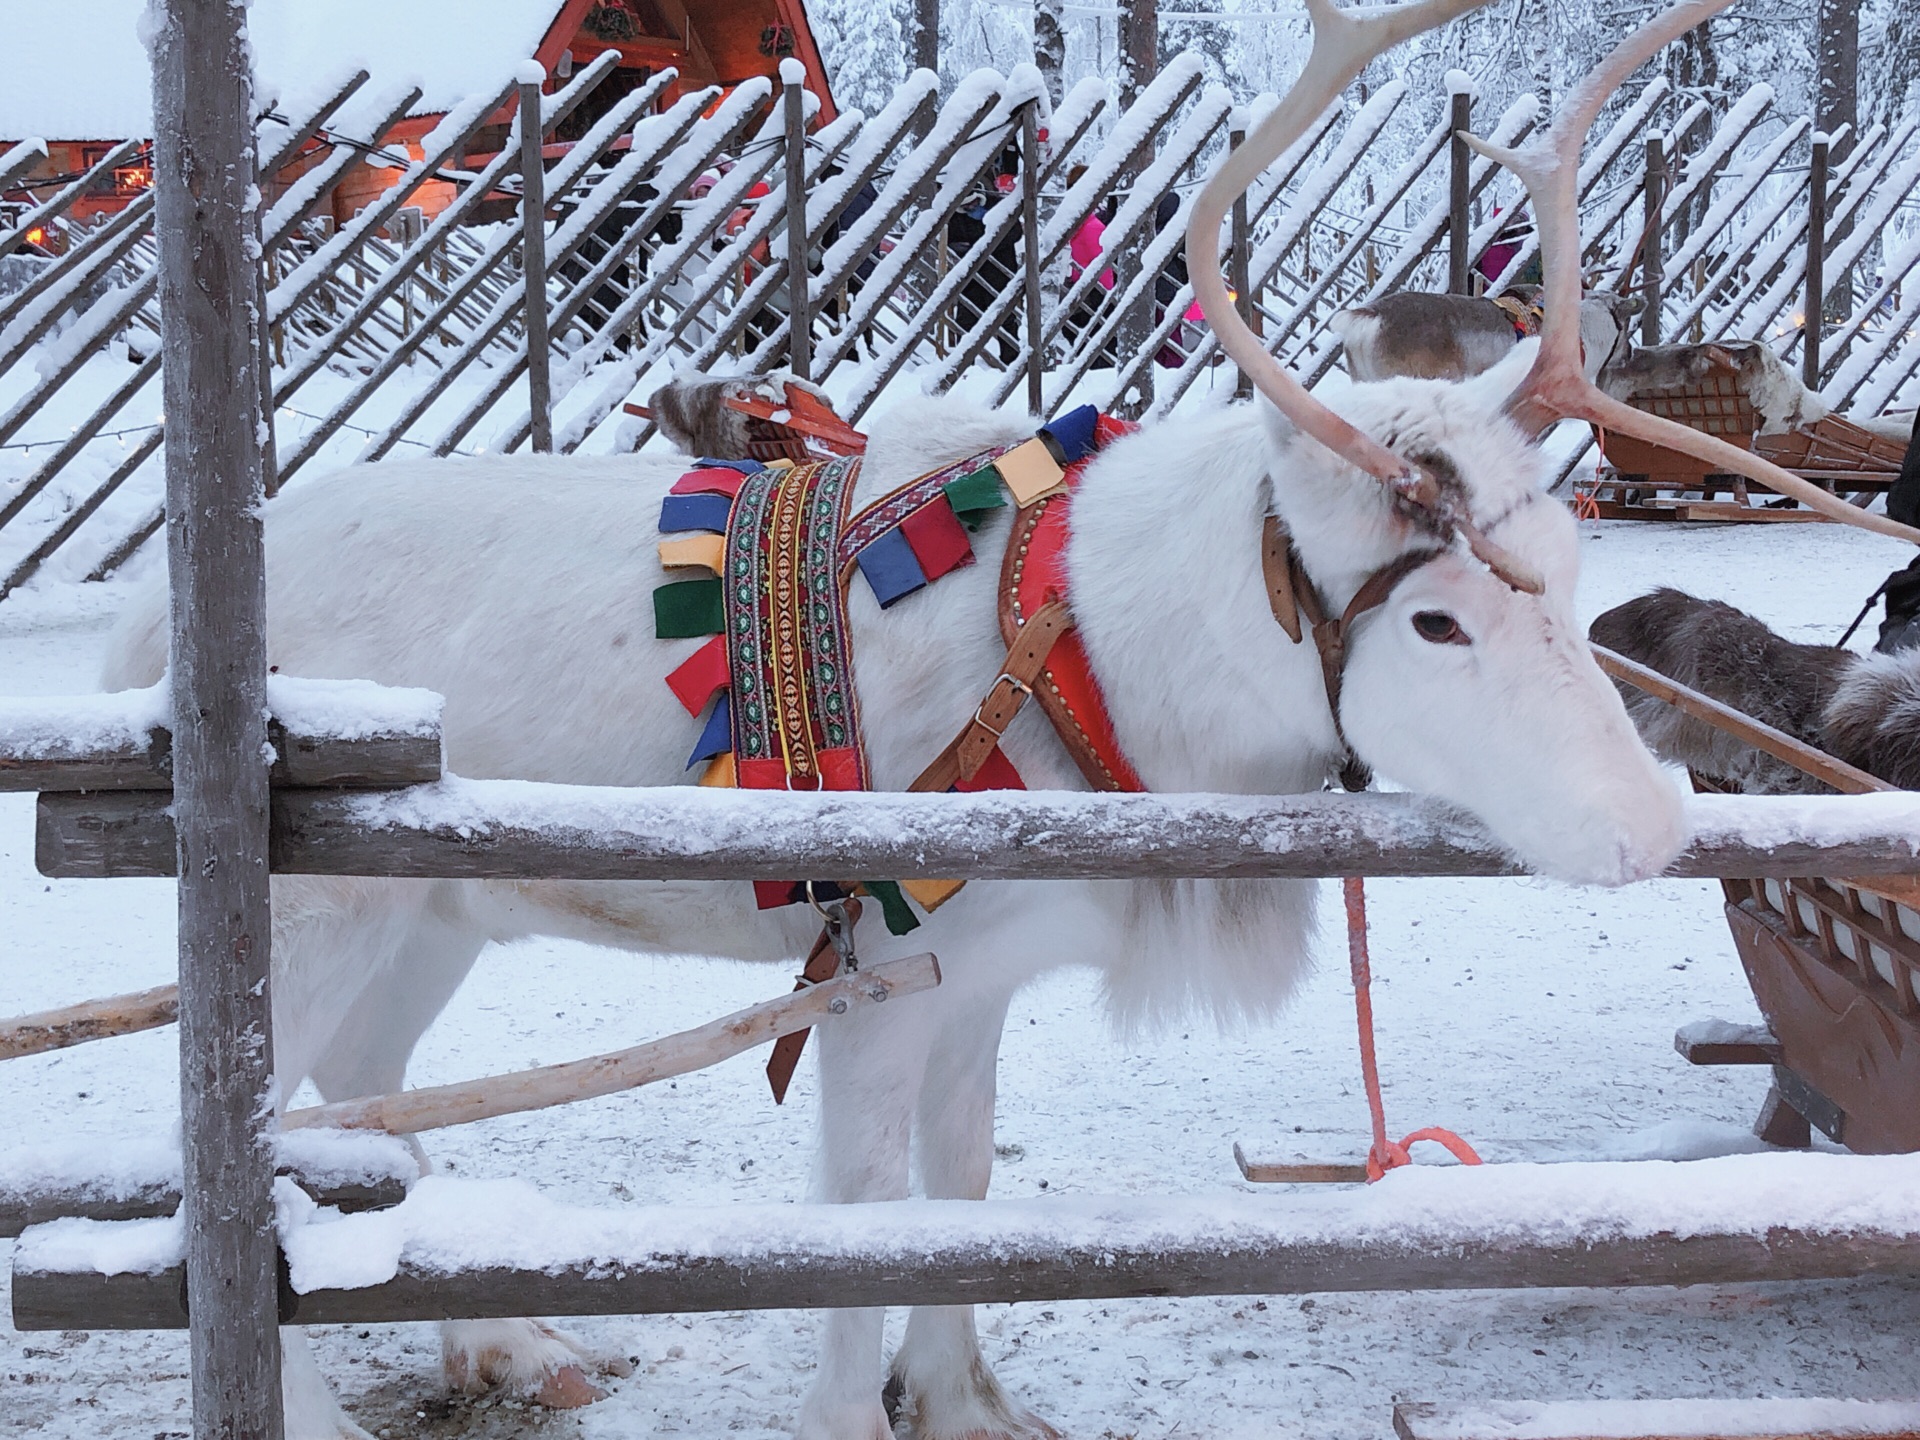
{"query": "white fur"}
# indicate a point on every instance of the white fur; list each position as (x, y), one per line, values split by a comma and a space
(520, 588)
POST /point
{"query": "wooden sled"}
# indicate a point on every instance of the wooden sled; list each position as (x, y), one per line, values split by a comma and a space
(1639, 480)
(1831, 962)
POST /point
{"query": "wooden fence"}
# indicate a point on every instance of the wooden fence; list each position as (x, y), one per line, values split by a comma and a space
(665, 234)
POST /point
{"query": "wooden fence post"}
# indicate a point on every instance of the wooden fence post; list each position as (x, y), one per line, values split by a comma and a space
(1816, 264)
(533, 250)
(1030, 244)
(1240, 253)
(1460, 89)
(1652, 276)
(799, 311)
(208, 231)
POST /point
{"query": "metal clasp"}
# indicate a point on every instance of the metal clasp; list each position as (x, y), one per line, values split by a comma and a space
(1013, 680)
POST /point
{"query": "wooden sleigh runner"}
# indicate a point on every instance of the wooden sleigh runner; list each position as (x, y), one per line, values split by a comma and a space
(1639, 480)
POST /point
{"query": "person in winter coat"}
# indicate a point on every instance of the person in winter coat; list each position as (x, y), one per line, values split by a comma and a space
(965, 229)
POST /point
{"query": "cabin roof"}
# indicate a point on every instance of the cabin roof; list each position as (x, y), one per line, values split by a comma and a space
(98, 88)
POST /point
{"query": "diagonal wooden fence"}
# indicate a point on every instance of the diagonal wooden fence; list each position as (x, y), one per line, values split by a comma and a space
(973, 242)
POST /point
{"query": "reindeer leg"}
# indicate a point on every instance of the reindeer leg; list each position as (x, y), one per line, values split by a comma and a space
(872, 1064)
(428, 954)
(941, 1388)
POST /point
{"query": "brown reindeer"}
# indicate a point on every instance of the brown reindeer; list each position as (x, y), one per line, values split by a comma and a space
(1863, 709)
(1451, 337)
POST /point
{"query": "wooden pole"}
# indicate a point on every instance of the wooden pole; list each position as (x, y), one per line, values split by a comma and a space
(1816, 290)
(1847, 779)
(533, 250)
(89, 1020)
(208, 233)
(1459, 189)
(800, 316)
(439, 1106)
(1030, 246)
(1240, 257)
(560, 832)
(1652, 276)
(1015, 1251)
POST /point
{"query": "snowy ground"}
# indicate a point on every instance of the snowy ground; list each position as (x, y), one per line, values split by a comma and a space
(1535, 1019)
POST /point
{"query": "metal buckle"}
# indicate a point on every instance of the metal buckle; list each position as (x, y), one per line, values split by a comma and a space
(1013, 680)
(839, 927)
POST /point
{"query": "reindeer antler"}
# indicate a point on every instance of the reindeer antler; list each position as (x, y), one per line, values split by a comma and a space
(1343, 42)
(1556, 387)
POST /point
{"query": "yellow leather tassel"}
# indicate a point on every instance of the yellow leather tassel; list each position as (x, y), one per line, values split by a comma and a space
(932, 894)
(709, 552)
(720, 772)
(1030, 472)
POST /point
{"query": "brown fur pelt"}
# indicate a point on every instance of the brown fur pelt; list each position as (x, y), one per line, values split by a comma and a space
(1725, 653)
(1780, 401)
(694, 415)
(1873, 719)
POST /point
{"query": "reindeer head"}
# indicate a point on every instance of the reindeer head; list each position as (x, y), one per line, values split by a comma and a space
(1459, 668)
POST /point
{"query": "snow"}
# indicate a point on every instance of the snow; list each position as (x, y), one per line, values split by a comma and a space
(106, 1247)
(446, 1226)
(452, 48)
(1712, 1032)
(1678, 1419)
(136, 1165)
(351, 709)
(48, 729)
(1535, 1019)
(792, 72)
(1459, 82)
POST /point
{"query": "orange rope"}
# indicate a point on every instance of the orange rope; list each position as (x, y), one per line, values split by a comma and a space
(1385, 1155)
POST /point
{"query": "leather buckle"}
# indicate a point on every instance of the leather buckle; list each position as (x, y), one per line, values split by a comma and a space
(979, 719)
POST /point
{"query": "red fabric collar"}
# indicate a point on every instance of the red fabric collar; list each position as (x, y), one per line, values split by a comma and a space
(1037, 573)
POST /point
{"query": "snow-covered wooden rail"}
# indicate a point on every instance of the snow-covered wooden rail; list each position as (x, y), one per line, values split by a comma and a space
(328, 734)
(498, 829)
(139, 1178)
(478, 1248)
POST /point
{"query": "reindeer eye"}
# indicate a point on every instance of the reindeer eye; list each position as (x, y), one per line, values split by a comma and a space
(1439, 628)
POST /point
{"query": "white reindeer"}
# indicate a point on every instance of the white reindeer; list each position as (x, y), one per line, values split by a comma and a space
(520, 589)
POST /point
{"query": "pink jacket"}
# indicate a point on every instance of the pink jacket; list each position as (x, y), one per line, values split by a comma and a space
(1085, 249)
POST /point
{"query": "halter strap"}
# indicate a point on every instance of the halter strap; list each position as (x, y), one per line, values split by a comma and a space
(1292, 595)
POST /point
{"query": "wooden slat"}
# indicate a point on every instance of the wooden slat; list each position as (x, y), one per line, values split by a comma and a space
(907, 1256)
(1715, 1042)
(438, 1106)
(375, 762)
(1033, 836)
(89, 1020)
(1662, 1420)
(1304, 1172)
(1848, 779)
(155, 1198)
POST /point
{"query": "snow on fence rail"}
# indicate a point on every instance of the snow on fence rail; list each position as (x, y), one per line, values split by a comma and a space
(478, 1249)
(666, 239)
(358, 790)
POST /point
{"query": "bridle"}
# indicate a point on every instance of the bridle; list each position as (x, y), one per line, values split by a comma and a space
(1292, 595)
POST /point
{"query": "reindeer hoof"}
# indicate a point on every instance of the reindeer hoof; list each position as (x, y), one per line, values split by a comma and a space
(568, 1389)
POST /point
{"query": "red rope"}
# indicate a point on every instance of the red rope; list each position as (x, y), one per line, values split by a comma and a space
(1385, 1155)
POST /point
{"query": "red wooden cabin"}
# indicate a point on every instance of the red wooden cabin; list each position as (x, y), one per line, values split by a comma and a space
(454, 46)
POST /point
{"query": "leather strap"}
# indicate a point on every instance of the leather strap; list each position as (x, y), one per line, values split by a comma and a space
(823, 963)
(1276, 564)
(1292, 596)
(978, 738)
